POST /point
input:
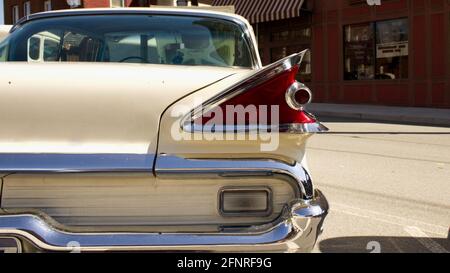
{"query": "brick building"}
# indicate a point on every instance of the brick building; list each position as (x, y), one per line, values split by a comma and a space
(396, 53)
(16, 9)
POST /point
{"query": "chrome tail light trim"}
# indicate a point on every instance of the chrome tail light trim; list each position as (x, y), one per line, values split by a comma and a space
(174, 166)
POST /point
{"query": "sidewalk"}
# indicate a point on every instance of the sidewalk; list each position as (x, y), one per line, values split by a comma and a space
(427, 116)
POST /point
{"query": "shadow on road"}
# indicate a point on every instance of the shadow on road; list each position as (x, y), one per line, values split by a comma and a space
(385, 245)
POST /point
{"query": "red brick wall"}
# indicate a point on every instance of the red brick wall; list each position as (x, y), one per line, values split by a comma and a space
(36, 6)
(428, 84)
(96, 3)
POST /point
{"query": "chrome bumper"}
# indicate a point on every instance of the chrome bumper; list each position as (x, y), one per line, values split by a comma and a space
(296, 231)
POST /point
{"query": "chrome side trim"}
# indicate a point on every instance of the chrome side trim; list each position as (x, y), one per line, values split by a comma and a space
(75, 163)
(173, 166)
(294, 128)
(303, 128)
(297, 230)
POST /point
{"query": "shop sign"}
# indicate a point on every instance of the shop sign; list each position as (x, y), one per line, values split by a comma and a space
(390, 50)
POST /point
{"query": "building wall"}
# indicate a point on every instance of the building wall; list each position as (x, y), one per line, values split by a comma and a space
(428, 84)
(36, 6)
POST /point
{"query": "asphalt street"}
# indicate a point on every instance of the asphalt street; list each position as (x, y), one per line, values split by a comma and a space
(388, 186)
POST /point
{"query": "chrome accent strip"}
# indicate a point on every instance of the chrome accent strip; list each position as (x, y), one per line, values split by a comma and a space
(298, 227)
(294, 128)
(240, 87)
(303, 128)
(296, 175)
(75, 163)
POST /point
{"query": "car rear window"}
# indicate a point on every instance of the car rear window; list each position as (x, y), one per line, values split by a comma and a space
(155, 39)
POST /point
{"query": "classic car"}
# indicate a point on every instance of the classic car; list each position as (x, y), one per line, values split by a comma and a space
(152, 130)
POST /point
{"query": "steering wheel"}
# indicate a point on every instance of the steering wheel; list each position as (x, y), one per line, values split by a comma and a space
(132, 57)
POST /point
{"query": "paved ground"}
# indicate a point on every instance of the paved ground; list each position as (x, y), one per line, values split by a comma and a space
(388, 186)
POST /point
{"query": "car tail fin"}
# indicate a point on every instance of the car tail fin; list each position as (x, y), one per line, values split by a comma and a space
(271, 98)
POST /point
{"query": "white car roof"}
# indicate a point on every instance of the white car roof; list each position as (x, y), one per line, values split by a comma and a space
(171, 10)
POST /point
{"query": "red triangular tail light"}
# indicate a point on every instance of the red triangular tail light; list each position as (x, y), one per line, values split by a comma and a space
(271, 99)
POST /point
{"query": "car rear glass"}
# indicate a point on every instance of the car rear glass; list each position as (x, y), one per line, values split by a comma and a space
(155, 39)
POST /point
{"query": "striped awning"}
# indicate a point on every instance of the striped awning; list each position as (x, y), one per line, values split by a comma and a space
(258, 11)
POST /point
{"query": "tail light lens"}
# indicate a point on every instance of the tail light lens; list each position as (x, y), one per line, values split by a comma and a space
(245, 202)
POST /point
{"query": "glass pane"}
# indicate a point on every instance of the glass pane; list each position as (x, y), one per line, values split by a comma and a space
(78, 47)
(34, 48)
(358, 52)
(179, 40)
(392, 49)
(261, 38)
(280, 36)
(126, 47)
(294, 34)
(278, 53)
(305, 68)
(51, 50)
(117, 3)
(301, 33)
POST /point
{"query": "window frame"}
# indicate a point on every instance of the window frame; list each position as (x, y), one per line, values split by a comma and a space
(122, 4)
(26, 8)
(48, 5)
(374, 51)
(15, 13)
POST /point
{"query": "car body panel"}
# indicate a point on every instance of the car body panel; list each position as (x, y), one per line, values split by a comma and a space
(91, 108)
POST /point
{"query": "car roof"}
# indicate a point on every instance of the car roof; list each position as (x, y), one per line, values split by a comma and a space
(127, 11)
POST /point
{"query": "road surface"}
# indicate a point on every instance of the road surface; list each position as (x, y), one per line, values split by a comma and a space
(388, 186)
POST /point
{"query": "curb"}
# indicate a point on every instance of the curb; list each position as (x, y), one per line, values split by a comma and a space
(425, 116)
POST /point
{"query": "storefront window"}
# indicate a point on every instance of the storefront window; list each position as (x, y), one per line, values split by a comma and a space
(359, 60)
(292, 34)
(376, 50)
(392, 49)
(117, 3)
(278, 53)
(305, 68)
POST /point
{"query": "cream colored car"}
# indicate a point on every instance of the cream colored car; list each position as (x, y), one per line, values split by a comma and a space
(150, 130)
